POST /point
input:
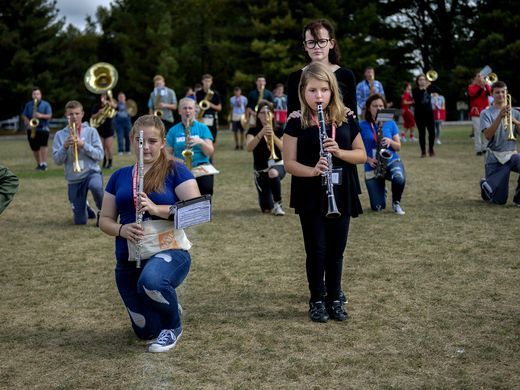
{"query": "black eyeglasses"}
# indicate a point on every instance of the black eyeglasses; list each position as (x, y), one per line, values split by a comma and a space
(311, 44)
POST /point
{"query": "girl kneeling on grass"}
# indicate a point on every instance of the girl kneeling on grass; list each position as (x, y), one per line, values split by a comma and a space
(148, 292)
(325, 239)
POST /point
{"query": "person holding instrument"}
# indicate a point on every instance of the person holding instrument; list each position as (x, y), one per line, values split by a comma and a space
(325, 238)
(194, 136)
(424, 112)
(382, 143)
(105, 127)
(320, 44)
(148, 292)
(266, 143)
(78, 147)
(500, 124)
(162, 101)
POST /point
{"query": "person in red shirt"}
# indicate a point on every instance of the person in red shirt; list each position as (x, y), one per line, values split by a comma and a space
(478, 92)
(408, 118)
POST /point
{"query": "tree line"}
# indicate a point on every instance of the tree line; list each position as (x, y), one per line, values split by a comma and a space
(236, 40)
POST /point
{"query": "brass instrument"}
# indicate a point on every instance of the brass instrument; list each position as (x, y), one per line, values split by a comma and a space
(250, 121)
(432, 75)
(131, 107)
(508, 120)
(34, 122)
(157, 112)
(101, 78)
(204, 104)
(488, 75)
(383, 155)
(75, 154)
(187, 153)
(270, 140)
(332, 209)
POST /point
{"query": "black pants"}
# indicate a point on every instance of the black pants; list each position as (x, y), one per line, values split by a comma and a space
(205, 184)
(269, 190)
(325, 241)
(425, 121)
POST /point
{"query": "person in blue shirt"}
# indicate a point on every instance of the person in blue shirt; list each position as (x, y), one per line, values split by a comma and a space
(200, 141)
(394, 169)
(39, 136)
(368, 87)
(148, 292)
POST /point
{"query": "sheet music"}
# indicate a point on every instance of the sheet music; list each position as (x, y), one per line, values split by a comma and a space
(192, 212)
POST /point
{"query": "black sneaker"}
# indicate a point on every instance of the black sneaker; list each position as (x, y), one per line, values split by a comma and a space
(91, 213)
(317, 312)
(343, 298)
(336, 311)
(97, 218)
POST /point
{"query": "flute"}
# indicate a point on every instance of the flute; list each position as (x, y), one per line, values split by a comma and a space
(140, 183)
(332, 209)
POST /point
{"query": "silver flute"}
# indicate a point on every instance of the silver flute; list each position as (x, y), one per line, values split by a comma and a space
(140, 183)
(332, 208)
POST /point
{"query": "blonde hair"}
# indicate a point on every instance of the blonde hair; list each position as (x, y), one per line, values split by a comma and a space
(155, 177)
(335, 110)
(73, 104)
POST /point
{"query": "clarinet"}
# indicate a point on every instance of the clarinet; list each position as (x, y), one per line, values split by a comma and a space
(140, 183)
(332, 209)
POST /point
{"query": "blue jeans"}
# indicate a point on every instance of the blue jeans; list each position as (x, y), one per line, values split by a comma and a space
(149, 292)
(376, 187)
(123, 134)
(78, 196)
(497, 179)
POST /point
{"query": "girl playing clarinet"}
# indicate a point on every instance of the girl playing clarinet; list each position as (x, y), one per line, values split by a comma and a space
(325, 238)
(148, 292)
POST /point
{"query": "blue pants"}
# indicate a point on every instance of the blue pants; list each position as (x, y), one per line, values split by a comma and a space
(376, 187)
(78, 196)
(496, 187)
(149, 292)
(123, 135)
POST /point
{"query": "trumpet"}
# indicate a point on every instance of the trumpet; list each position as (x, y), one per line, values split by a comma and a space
(204, 104)
(432, 75)
(508, 119)
(34, 122)
(74, 134)
(187, 153)
(270, 139)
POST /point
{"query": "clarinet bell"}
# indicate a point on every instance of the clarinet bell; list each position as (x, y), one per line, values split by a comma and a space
(332, 208)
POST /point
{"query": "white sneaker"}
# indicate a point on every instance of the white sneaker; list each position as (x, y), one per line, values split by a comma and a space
(438, 141)
(403, 139)
(277, 209)
(396, 206)
(167, 340)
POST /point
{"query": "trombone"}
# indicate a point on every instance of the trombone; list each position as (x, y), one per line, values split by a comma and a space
(74, 133)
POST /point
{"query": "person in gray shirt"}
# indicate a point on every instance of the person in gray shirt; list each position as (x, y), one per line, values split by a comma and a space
(501, 155)
(162, 102)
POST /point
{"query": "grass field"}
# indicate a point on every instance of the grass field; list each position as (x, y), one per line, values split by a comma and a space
(434, 297)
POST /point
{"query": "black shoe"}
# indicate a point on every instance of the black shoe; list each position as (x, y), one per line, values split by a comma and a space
(317, 312)
(97, 218)
(91, 213)
(336, 311)
(479, 153)
(343, 298)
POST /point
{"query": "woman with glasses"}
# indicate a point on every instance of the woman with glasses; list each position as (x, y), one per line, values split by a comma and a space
(320, 44)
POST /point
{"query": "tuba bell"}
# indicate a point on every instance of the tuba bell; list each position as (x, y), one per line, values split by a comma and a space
(101, 78)
(131, 107)
(432, 75)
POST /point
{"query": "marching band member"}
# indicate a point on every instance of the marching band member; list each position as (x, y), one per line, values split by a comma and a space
(256, 96)
(200, 143)
(394, 168)
(502, 156)
(325, 238)
(407, 114)
(80, 152)
(266, 144)
(320, 44)
(367, 88)
(105, 129)
(280, 106)
(163, 101)
(478, 91)
(39, 112)
(210, 116)
(148, 292)
(123, 124)
(424, 113)
(238, 104)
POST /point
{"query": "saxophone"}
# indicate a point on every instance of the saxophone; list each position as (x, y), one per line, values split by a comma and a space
(204, 104)
(382, 154)
(34, 122)
(158, 112)
(187, 153)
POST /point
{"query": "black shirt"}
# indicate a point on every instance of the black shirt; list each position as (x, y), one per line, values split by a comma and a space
(346, 83)
(262, 153)
(252, 98)
(423, 99)
(215, 99)
(308, 193)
